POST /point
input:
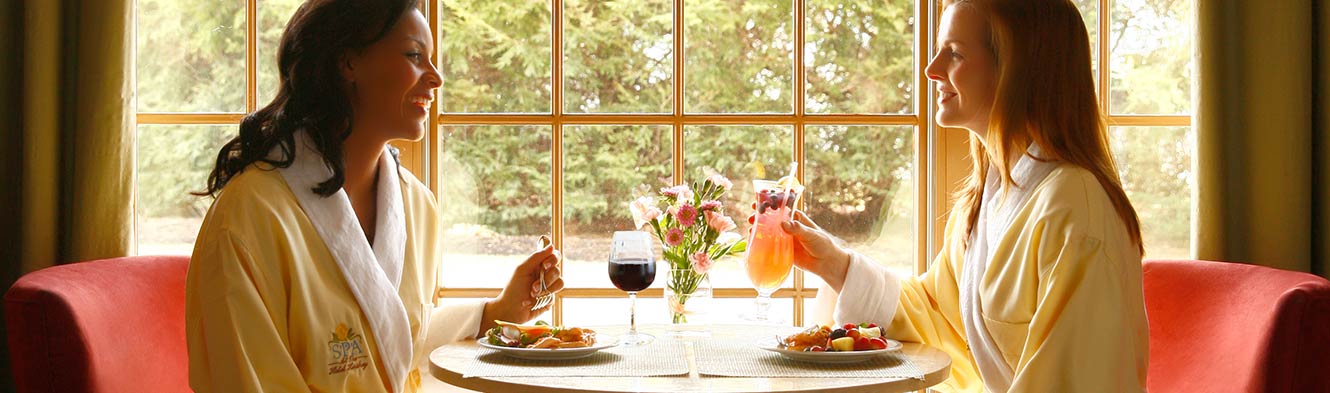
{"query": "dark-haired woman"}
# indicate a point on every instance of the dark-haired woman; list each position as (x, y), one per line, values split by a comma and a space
(316, 267)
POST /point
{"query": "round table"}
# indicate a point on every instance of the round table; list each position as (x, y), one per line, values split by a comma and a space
(448, 364)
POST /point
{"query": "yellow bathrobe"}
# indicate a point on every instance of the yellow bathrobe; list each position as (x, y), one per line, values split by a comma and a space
(285, 293)
(1060, 299)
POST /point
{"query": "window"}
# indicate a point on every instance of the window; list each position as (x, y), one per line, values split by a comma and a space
(554, 115)
(605, 101)
(1150, 74)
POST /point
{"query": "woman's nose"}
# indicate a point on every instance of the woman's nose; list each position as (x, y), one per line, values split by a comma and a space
(934, 69)
(433, 78)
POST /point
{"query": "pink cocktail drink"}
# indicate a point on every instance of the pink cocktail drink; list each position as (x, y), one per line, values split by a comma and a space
(770, 249)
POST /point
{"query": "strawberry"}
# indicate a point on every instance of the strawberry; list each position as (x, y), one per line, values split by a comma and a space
(877, 343)
(848, 326)
(862, 344)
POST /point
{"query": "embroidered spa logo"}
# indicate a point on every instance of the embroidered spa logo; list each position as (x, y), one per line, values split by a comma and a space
(347, 351)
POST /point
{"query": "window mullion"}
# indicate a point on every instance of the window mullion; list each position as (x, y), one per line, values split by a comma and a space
(251, 56)
(556, 131)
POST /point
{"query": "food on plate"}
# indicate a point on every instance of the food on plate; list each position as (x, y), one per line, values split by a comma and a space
(539, 336)
(847, 338)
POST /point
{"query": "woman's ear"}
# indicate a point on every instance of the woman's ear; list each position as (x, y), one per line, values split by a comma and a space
(346, 65)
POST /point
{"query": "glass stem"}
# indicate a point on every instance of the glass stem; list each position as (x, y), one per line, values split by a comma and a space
(632, 313)
(763, 303)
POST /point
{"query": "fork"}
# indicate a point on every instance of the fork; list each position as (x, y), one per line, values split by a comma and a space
(545, 296)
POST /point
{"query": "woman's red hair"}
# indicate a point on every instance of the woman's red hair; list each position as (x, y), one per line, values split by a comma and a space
(1045, 95)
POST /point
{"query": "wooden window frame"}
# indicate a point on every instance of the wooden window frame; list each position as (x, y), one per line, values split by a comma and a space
(939, 158)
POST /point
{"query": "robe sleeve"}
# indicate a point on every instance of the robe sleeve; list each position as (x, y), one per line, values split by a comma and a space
(929, 312)
(234, 343)
(922, 309)
(453, 320)
(870, 293)
(1088, 333)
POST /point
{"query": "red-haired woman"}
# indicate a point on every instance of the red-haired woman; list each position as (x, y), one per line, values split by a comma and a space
(1038, 283)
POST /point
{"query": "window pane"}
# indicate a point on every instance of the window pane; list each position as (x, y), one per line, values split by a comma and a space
(273, 16)
(860, 183)
(618, 56)
(743, 154)
(495, 56)
(191, 56)
(739, 56)
(860, 56)
(1090, 13)
(1151, 67)
(652, 311)
(495, 201)
(605, 168)
(1156, 168)
(173, 161)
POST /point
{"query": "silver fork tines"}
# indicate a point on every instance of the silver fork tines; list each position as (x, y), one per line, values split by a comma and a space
(545, 296)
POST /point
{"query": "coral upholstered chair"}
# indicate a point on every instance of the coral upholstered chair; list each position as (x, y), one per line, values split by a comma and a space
(1228, 327)
(114, 325)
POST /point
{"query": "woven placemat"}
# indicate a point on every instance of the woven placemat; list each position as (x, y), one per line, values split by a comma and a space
(743, 358)
(660, 358)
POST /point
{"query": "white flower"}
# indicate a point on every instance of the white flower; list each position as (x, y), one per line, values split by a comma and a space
(644, 210)
(721, 181)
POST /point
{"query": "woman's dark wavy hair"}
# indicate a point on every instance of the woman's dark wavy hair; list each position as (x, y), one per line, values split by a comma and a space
(312, 94)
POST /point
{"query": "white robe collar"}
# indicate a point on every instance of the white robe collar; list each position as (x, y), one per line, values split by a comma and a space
(996, 213)
(373, 273)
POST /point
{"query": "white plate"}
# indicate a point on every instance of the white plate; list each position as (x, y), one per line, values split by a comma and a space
(831, 357)
(549, 354)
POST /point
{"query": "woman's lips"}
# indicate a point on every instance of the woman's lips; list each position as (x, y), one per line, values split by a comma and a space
(944, 96)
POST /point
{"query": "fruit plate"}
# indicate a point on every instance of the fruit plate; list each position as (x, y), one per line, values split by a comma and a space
(832, 357)
(548, 354)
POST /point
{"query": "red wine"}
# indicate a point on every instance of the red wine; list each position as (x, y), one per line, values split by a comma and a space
(632, 275)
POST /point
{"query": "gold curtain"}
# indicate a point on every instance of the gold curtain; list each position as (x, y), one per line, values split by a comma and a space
(67, 148)
(1262, 197)
(76, 94)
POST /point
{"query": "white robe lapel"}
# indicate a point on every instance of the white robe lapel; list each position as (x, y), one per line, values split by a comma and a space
(995, 216)
(372, 272)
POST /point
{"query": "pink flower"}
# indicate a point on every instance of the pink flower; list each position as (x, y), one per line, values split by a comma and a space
(709, 205)
(701, 262)
(681, 193)
(721, 181)
(720, 222)
(674, 237)
(644, 210)
(687, 215)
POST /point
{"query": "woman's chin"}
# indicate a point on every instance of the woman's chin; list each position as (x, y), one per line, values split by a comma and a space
(410, 133)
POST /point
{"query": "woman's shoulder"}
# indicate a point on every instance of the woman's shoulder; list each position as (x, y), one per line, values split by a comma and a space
(1073, 197)
(415, 191)
(255, 196)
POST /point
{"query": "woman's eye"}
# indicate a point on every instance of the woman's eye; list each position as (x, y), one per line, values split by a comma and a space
(415, 55)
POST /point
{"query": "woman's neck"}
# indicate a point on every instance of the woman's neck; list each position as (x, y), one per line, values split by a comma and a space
(360, 160)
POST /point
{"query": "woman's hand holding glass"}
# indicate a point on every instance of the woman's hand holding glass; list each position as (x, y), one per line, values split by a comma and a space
(514, 303)
(816, 251)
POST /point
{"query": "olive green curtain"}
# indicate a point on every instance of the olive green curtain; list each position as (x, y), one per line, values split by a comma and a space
(1261, 159)
(67, 148)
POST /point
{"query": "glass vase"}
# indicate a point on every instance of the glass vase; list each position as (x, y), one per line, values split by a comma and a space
(688, 299)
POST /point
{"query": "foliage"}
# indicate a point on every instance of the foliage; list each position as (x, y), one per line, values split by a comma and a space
(496, 57)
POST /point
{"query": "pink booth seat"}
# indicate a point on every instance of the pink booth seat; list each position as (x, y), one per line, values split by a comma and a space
(113, 325)
(1229, 327)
